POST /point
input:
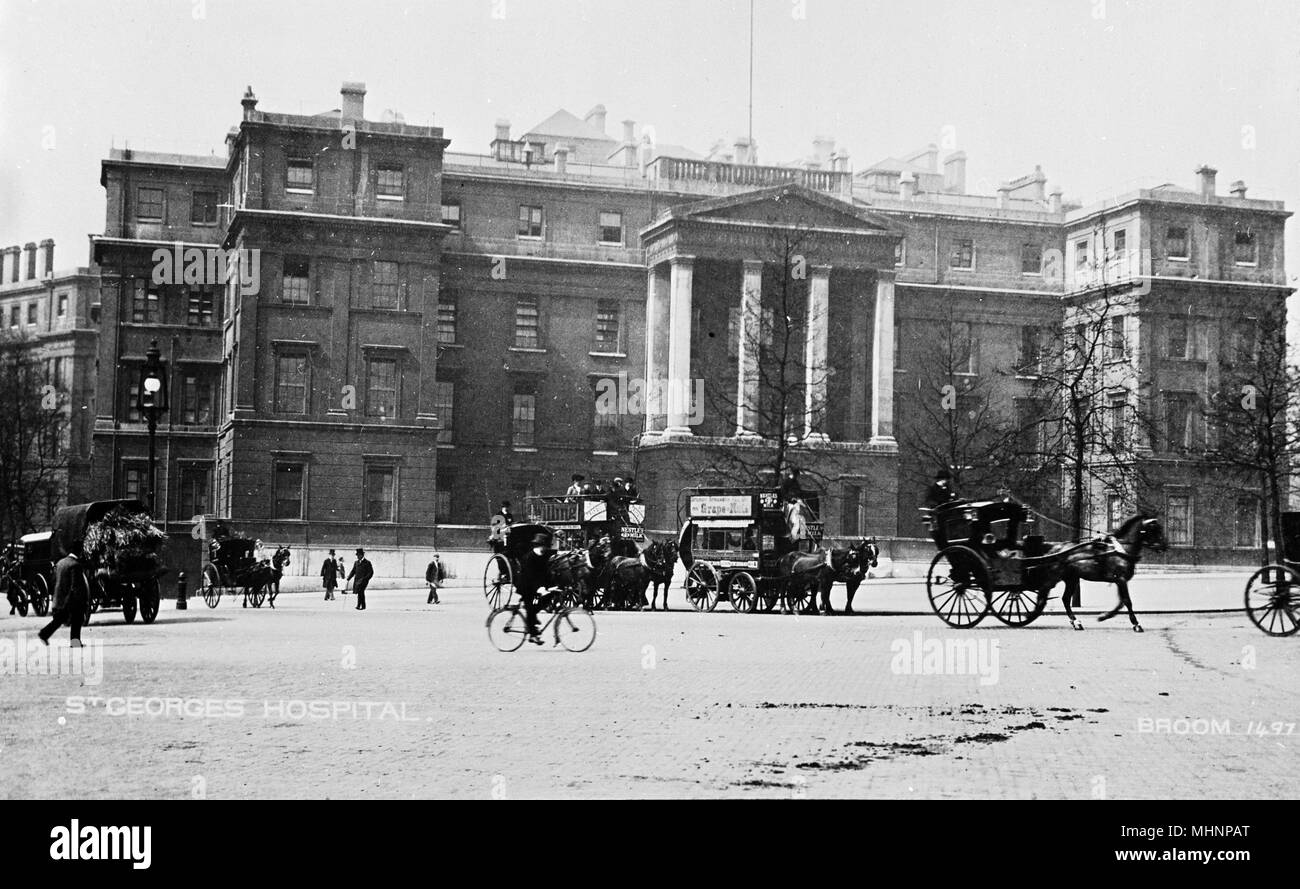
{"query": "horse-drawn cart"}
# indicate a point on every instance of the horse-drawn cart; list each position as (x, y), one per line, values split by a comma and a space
(230, 565)
(119, 545)
(27, 576)
(1273, 592)
(731, 544)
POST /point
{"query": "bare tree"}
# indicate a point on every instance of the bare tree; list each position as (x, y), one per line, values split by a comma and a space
(33, 440)
(1251, 426)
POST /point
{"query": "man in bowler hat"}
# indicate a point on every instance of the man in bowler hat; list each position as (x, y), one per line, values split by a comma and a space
(534, 573)
(360, 576)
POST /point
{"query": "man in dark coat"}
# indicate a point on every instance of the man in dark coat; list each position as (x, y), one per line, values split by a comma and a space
(942, 491)
(69, 604)
(505, 513)
(534, 573)
(433, 576)
(329, 573)
(789, 489)
(360, 576)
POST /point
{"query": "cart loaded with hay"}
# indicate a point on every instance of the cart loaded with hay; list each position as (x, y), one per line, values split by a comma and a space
(119, 547)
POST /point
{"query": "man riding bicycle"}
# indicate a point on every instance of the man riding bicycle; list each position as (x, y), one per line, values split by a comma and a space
(534, 574)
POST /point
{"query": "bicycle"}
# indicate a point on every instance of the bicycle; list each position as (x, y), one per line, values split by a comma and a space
(575, 628)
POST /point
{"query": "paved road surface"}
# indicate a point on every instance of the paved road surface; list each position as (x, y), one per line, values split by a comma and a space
(678, 704)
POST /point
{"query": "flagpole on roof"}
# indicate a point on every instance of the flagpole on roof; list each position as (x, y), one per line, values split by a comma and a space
(751, 73)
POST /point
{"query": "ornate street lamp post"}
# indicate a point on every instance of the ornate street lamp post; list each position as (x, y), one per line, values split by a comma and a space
(151, 398)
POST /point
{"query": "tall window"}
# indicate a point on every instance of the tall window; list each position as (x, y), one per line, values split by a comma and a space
(201, 307)
(62, 310)
(1115, 342)
(527, 323)
(444, 405)
(611, 228)
(390, 181)
(1114, 511)
(605, 427)
(381, 387)
(1179, 513)
(1030, 355)
(962, 255)
(1244, 250)
(530, 221)
(1081, 254)
(197, 396)
(451, 213)
(14, 315)
(442, 495)
(297, 280)
(900, 253)
(1247, 521)
(607, 325)
(291, 384)
(1176, 242)
(1120, 241)
(1181, 426)
(380, 495)
(288, 483)
(1179, 341)
(134, 481)
(1243, 342)
(1031, 259)
(299, 176)
(196, 486)
(964, 348)
(523, 419)
(145, 305)
(31, 314)
(203, 208)
(1118, 422)
(447, 316)
(149, 204)
(384, 290)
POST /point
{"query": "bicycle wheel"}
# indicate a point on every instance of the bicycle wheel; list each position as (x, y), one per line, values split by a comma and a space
(507, 628)
(575, 630)
(1273, 600)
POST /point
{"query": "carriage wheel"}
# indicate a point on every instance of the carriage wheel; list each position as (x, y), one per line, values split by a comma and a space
(89, 592)
(702, 586)
(507, 628)
(210, 585)
(128, 606)
(39, 594)
(742, 590)
(957, 585)
(575, 630)
(150, 597)
(1273, 600)
(1018, 608)
(769, 596)
(798, 597)
(256, 594)
(18, 597)
(498, 582)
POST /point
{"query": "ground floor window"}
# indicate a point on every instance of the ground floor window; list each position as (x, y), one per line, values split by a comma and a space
(195, 487)
(1179, 514)
(1247, 521)
(380, 494)
(289, 488)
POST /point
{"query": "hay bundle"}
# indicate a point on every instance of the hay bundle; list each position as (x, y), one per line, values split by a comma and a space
(124, 543)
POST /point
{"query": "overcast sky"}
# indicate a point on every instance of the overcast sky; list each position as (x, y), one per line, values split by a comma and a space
(1105, 95)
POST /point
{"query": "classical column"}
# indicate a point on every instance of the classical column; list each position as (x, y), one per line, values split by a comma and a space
(749, 336)
(679, 345)
(882, 362)
(816, 327)
(656, 347)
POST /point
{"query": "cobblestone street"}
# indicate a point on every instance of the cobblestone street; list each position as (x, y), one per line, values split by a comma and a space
(678, 704)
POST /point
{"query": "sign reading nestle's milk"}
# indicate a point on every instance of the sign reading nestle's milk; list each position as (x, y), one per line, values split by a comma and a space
(711, 505)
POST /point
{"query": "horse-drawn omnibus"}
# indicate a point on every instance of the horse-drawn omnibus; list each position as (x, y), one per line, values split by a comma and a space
(582, 520)
(731, 544)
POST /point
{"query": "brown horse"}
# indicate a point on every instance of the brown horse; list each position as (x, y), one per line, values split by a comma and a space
(1110, 560)
(660, 558)
(801, 575)
(848, 566)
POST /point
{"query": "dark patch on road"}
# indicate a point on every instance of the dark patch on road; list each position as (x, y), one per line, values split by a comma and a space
(981, 738)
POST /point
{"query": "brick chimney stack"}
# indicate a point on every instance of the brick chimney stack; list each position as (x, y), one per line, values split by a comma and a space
(561, 158)
(47, 249)
(14, 253)
(596, 117)
(30, 249)
(907, 186)
(249, 102)
(954, 173)
(1207, 174)
(1238, 189)
(1055, 204)
(354, 100)
(503, 130)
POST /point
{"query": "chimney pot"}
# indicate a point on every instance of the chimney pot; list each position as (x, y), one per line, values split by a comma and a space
(1055, 203)
(596, 117)
(503, 130)
(561, 158)
(249, 102)
(15, 263)
(1239, 189)
(354, 100)
(1207, 174)
(47, 247)
(30, 249)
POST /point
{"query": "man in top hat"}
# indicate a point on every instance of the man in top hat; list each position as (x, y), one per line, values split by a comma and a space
(360, 576)
(329, 573)
(942, 491)
(534, 574)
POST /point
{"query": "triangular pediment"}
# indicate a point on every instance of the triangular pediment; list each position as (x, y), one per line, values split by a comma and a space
(792, 205)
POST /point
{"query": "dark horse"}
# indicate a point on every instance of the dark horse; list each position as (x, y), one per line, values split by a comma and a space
(801, 575)
(1109, 560)
(572, 569)
(624, 579)
(848, 566)
(278, 561)
(660, 558)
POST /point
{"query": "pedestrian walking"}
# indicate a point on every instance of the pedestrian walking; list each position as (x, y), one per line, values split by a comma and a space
(361, 573)
(69, 604)
(343, 574)
(433, 576)
(329, 574)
